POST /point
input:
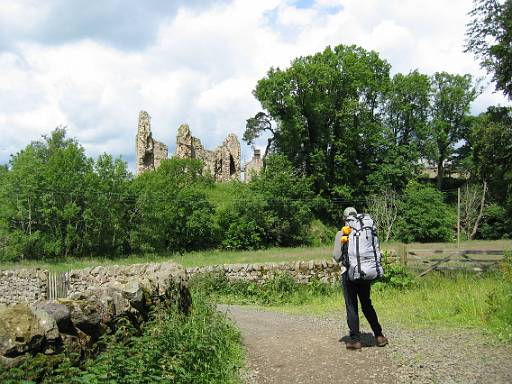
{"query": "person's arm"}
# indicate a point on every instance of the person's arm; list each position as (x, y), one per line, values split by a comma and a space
(336, 252)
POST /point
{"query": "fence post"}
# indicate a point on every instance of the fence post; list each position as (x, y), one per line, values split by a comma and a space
(403, 254)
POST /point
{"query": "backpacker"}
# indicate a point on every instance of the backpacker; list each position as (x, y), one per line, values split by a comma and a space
(361, 253)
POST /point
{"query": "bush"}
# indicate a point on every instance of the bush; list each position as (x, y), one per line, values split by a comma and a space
(202, 347)
(499, 312)
(280, 289)
(423, 216)
(274, 210)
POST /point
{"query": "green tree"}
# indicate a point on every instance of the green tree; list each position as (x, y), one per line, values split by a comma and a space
(406, 130)
(423, 215)
(275, 209)
(325, 109)
(452, 96)
(489, 38)
(52, 204)
(172, 212)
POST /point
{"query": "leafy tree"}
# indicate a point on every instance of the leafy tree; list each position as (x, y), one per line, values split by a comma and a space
(423, 215)
(489, 38)
(52, 205)
(406, 130)
(257, 125)
(172, 212)
(275, 209)
(452, 96)
(325, 108)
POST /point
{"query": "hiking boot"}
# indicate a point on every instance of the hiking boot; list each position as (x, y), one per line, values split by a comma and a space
(354, 344)
(381, 341)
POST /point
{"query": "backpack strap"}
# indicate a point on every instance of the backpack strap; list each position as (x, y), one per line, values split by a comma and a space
(374, 233)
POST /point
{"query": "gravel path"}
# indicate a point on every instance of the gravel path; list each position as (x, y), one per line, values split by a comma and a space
(285, 348)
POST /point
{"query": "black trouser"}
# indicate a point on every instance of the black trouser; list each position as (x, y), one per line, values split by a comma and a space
(352, 291)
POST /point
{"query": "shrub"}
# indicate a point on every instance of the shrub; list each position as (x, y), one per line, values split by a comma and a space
(423, 216)
(202, 347)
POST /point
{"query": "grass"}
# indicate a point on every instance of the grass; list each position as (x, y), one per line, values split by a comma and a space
(212, 257)
(456, 300)
(435, 301)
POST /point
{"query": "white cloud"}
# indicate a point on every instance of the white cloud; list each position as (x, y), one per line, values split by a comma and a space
(202, 65)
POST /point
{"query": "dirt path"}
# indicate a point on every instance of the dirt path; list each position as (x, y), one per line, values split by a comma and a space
(286, 348)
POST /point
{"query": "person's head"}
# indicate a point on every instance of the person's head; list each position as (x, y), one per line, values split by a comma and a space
(349, 211)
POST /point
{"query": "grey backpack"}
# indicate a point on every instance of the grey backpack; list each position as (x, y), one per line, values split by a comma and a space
(361, 254)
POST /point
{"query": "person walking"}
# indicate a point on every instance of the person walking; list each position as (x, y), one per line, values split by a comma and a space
(359, 288)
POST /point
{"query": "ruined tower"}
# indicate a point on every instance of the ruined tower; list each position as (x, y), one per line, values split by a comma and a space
(223, 162)
(254, 166)
(149, 152)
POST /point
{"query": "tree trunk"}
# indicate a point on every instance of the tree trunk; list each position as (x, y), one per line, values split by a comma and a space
(440, 173)
(480, 213)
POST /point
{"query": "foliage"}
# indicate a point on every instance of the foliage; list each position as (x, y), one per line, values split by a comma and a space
(55, 201)
(396, 275)
(452, 96)
(490, 40)
(274, 210)
(202, 347)
(172, 211)
(499, 312)
(281, 288)
(325, 111)
(423, 216)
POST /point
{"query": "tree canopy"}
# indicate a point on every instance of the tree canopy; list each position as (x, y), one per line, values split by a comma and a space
(489, 38)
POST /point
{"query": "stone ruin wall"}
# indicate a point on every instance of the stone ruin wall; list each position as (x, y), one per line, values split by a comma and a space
(149, 152)
(223, 162)
(254, 166)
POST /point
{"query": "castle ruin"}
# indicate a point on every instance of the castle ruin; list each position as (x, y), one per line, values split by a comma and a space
(149, 152)
(223, 163)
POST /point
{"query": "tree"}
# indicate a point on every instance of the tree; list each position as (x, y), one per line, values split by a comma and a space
(384, 209)
(257, 125)
(489, 38)
(423, 215)
(452, 96)
(472, 208)
(325, 110)
(406, 129)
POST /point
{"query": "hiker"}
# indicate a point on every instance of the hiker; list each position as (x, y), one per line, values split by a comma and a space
(356, 247)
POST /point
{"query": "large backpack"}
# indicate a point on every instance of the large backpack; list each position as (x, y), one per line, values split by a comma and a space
(361, 253)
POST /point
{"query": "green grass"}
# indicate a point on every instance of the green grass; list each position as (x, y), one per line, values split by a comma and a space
(436, 301)
(211, 257)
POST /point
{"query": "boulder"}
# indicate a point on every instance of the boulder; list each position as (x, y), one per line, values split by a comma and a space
(23, 329)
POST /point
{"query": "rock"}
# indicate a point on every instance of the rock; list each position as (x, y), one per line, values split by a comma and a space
(25, 330)
(59, 312)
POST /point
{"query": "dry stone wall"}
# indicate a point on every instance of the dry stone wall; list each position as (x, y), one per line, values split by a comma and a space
(23, 285)
(302, 271)
(97, 298)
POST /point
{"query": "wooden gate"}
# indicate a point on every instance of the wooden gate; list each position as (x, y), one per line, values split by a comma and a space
(58, 284)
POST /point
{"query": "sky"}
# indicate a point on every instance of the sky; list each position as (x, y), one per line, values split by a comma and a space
(92, 65)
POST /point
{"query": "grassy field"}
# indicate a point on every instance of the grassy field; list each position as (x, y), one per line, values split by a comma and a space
(212, 257)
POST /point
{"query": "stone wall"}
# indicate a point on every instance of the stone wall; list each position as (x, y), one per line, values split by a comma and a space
(23, 285)
(223, 162)
(149, 153)
(254, 166)
(302, 271)
(98, 297)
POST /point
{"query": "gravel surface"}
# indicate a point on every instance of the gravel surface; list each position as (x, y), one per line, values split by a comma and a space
(285, 348)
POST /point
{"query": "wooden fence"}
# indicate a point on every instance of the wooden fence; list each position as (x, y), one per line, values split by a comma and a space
(427, 260)
(58, 284)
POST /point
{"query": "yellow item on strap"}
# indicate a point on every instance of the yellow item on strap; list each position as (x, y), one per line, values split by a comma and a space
(344, 239)
(346, 230)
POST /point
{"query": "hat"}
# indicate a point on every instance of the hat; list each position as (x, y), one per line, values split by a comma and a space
(349, 211)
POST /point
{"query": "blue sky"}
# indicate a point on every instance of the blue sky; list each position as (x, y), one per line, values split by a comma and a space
(93, 65)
